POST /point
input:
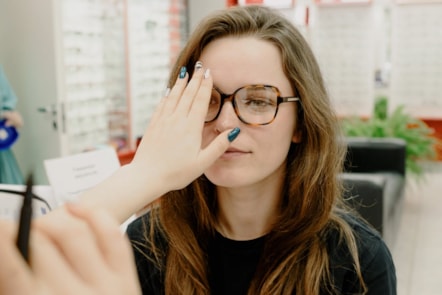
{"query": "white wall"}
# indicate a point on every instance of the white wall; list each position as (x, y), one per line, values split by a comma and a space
(200, 8)
(27, 55)
(2, 29)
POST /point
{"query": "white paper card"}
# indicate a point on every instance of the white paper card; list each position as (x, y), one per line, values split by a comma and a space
(71, 175)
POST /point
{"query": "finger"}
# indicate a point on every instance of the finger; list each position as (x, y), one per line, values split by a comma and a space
(15, 275)
(76, 242)
(201, 103)
(12, 119)
(160, 106)
(217, 147)
(192, 89)
(114, 246)
(175, 93)
(49, 265)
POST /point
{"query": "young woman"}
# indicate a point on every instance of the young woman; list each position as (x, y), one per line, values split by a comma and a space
(255, 212)
(267, 216)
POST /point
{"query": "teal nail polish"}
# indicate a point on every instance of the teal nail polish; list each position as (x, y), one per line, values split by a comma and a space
(183, 72)
(233, 134)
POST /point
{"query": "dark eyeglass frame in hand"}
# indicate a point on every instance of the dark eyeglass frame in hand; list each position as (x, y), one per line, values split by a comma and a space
(24, 227)
(271, 103)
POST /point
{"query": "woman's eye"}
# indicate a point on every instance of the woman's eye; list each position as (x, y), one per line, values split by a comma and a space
(257, 102)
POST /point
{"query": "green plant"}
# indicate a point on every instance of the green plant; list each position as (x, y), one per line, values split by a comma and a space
(421, 144)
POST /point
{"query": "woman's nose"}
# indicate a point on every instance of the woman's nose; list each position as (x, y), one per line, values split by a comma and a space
(227, 117)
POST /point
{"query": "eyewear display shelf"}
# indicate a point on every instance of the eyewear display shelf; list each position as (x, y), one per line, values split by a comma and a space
(342, 35)
(417, 57)
(117, 58)
(93, 58)
(416, 63)
(87, 72)
(365, 46)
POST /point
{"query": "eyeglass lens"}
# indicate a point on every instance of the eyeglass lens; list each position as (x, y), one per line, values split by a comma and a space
(253, 104)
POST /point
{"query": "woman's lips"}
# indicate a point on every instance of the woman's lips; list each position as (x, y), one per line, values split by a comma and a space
(233, 153)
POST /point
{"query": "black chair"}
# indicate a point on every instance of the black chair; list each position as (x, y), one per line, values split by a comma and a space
(374, 181)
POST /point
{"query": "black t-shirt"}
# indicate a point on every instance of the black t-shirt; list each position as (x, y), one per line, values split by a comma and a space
(233, 263)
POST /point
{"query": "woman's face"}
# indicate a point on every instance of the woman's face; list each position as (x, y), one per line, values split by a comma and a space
(258, 154)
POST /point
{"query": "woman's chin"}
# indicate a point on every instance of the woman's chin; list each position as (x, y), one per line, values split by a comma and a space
(226, 179)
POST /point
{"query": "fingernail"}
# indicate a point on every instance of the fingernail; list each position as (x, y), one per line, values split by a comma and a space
(233, 134)
(183, 72)
(166, 93)
(207, 74)
(198, 65)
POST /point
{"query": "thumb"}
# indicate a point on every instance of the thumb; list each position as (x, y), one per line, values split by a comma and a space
(218, 146)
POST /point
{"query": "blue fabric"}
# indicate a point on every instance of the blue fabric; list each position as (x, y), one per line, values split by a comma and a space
(9, 170)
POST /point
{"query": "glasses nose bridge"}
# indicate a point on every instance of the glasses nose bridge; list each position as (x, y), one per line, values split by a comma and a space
(227, 97)
(224, 98)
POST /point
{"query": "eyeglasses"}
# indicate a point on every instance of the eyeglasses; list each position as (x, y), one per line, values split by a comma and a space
(24, 226)
(253, 104)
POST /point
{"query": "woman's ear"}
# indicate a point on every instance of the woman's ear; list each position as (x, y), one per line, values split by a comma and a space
(297, 136)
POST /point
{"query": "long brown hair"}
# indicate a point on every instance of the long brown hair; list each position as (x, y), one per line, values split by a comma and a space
(296, 256)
